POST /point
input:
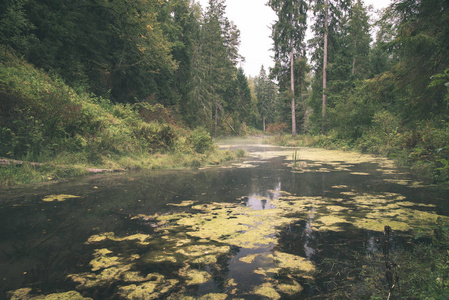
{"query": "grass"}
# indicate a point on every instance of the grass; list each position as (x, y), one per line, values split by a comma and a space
(44, 120)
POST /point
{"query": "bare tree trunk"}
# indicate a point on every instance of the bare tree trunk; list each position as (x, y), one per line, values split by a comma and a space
(263, 120)
(216, 117)
(323, 124)
(292, 79)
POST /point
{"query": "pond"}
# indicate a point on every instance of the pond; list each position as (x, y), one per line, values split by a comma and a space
(285, 223)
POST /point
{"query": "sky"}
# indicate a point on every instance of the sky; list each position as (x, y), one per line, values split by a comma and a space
(253, 18)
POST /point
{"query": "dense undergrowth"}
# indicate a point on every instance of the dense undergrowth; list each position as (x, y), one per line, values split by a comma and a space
(44, 120)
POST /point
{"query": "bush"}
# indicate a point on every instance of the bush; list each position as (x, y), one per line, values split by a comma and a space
(201, 140)
(278, 128)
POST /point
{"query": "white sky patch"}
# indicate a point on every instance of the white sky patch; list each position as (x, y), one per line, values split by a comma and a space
(254, 19)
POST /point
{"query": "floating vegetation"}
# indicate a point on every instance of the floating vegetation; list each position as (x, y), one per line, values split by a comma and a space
(294, 263)
(249, 258)
(112, 269)
(267, 290)
(194, 276)
(25, 294)
(290, 289)
(183, 203)
(148, 290)
(143, 239)
(59, 198)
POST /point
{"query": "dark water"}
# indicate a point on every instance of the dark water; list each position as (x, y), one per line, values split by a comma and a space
(43, 243)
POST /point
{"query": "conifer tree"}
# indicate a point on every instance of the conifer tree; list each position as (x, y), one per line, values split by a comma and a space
(288, 34)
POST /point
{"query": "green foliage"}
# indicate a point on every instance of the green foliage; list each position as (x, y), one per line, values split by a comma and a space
(441, 79)
(201, 140)
(15, 28)
(44, 120)
(382, 137)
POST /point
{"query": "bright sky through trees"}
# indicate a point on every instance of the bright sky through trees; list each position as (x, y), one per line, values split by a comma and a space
(254, 19)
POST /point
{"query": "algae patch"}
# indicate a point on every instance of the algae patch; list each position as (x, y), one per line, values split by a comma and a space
(267, 290)
(142, 239)
(148, 290)
(59, 198)
(194, 276)
(25, 294)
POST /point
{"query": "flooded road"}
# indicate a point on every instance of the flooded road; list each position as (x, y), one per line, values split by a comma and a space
(285, 223)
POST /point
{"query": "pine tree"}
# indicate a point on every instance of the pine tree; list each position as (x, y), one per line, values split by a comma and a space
(288, 34)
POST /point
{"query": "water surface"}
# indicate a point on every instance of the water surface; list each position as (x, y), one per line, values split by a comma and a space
(270, 226)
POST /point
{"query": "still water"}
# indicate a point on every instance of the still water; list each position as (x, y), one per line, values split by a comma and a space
(282, 224)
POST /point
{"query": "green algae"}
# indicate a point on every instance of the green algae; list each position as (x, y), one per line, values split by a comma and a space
(59, 198)
(267, 290)
(290, 289)
(249, 258)
(214, 296)
(360, 173)
(106, 268)
(296, 264)
(20, 294)
(203, 254)
(103, 260)
(184, 203)
(71, 295)
(193, 276)
(234, 224)
(202, 233)
(336, 208)
(379, 225)
(106, 276)
(143, 239)
(25, 294)
(330, 222)
(134, 276)
(147, 290)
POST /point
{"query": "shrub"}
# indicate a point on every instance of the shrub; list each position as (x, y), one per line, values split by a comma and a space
(278, 128)
(201, 140)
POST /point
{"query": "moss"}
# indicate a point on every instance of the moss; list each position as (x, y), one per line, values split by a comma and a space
(59, 198)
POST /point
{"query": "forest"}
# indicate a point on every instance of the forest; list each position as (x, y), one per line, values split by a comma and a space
(112, 83)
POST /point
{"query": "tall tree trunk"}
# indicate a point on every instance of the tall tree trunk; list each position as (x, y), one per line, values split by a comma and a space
(263, 119)
(292, 79)
(323, 124)
(354, 59)
(216, 117)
